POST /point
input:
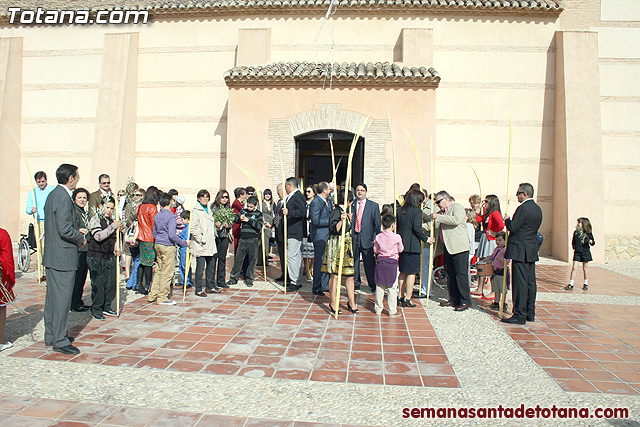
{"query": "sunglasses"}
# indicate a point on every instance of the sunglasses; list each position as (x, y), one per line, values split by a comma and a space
(138, 195)
(519, 193)
(437, 202)
(106, 182)
(224, 197)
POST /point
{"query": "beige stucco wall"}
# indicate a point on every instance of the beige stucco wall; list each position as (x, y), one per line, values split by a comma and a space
(619, 51)
(492, 68)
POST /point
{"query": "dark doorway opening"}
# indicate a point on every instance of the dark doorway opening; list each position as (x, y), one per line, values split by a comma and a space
(313, 157)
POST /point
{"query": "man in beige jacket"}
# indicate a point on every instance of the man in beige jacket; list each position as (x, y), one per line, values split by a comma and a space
(451, 239)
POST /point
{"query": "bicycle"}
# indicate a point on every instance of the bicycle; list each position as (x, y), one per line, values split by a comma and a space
(441, 279)
(26, 248)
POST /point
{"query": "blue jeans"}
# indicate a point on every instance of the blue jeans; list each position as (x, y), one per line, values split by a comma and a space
(133, 279)
(183, 266)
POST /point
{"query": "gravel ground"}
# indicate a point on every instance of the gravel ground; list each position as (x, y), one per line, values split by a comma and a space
(629, 268)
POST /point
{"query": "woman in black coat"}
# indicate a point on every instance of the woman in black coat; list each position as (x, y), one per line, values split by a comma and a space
(410, 229)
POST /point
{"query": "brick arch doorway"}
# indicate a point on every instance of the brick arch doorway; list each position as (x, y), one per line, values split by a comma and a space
(313, 157)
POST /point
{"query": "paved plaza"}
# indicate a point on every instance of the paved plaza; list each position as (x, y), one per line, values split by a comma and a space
(261, 357)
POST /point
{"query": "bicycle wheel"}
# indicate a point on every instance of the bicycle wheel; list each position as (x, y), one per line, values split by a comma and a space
(24, 255)
(440, 277)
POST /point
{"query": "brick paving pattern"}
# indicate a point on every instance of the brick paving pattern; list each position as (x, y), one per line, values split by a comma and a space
(553, 278)
(23, 411)
(585, 347)
(266, 334)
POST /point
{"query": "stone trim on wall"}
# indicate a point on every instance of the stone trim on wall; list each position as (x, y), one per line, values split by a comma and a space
(622, 247)
(332, 117)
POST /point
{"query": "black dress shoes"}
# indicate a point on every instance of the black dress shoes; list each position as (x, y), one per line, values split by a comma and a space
(447, 304)
(514, 321)
(319, 293)
(67, 349)
(292, 288)
(81, 308)
(71, 339)
(530, 318)
(462, 307)
(280, 279)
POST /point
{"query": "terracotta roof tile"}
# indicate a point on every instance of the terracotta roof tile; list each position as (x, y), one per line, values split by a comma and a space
(322, 73)
(181, 7)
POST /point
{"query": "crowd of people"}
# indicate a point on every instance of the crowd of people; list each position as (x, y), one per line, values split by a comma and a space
(149, 233)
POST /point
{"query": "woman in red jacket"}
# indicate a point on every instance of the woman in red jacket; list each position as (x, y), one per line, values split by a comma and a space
(145, 215)
(8, 278)
(492, 223)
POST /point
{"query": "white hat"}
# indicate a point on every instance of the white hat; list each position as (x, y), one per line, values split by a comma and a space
(180, 200)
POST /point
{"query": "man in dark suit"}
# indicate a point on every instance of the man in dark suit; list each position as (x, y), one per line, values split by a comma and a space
(522, 248)
(60, 259)
(319, 212)
(366, 227)
(103, 192)
(296, 212)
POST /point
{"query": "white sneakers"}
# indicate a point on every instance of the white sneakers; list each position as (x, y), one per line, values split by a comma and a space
(168, 302)
(6, 346)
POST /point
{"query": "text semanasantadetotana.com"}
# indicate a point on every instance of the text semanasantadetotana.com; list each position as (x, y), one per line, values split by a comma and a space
(516, 412)
(46, 16)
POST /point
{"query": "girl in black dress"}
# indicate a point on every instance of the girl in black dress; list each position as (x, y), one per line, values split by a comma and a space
(582, 241)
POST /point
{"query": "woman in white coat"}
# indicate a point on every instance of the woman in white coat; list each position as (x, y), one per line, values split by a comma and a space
(203, 235)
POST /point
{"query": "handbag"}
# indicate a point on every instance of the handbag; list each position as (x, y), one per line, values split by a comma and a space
(131, 236)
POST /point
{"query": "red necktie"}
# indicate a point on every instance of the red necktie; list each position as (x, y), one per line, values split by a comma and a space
(359, 217)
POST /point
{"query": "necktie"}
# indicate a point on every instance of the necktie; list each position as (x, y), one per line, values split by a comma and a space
(359, 217)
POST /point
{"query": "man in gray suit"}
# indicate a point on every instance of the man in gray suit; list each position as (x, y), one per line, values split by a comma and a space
(60, 259)
(452, 240)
